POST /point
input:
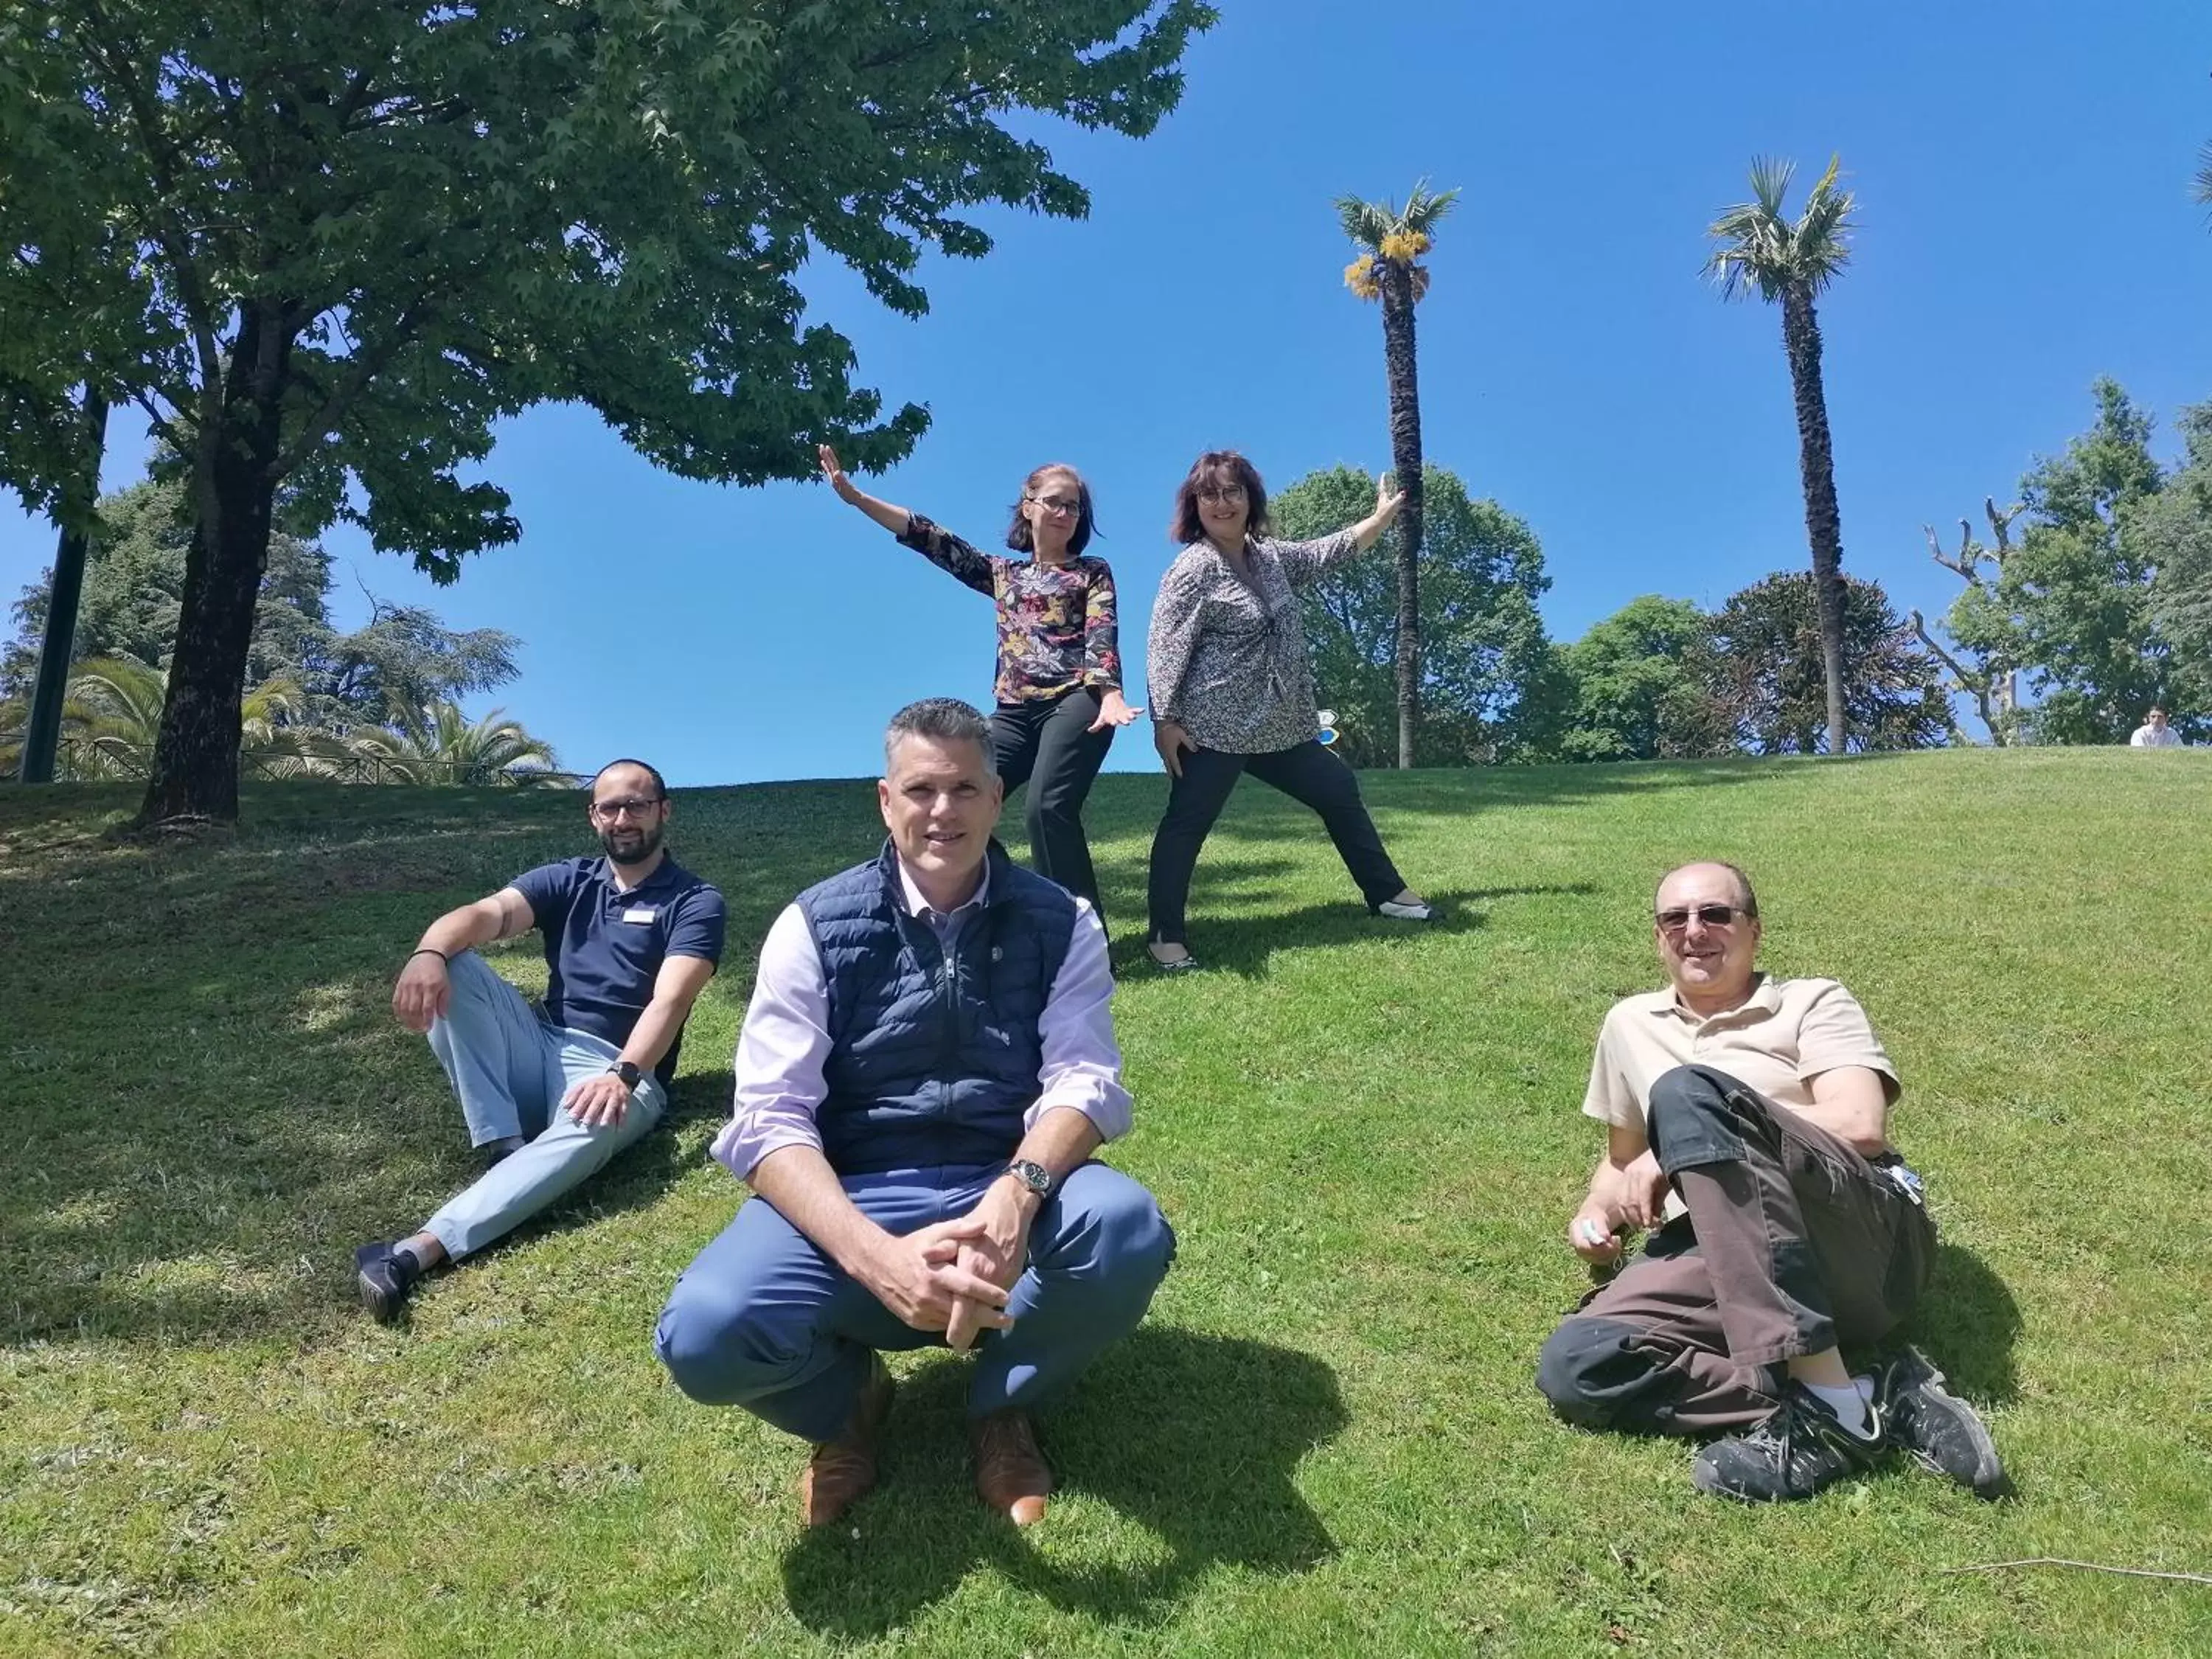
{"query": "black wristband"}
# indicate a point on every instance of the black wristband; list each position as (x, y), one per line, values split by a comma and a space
(428, 951)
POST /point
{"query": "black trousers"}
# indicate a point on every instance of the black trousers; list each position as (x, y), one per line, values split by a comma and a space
(1309, 775)
(1050, 747)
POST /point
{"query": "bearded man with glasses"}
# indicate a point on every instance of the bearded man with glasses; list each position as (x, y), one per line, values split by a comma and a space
(1747, 1128)
(550, 1094)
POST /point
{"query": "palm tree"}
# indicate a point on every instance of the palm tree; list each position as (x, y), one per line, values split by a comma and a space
(436, 744)
(1793, 262)
(1394, 239)
(113, 716)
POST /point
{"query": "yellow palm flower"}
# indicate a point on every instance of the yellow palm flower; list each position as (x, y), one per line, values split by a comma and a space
(1359, 277)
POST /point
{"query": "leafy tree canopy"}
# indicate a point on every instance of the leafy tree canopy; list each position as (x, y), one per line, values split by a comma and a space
(2075, 605)
(1769, 676)
(2173, 533)
(1482, 638)
(1636, 686)
(404, 658)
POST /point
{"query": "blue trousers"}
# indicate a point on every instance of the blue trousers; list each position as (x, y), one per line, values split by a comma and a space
(762, 1319)
(511, 1069)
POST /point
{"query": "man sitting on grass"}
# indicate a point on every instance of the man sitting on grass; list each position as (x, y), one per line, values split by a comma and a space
(926, 1065)
(1745, 1122)
(630, 941)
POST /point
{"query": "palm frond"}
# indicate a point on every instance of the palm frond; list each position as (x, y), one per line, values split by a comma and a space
(2202, 189)
(1759, 247)
(1366, 223)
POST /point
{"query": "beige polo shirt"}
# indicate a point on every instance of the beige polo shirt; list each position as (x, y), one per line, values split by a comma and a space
(1787, 1034)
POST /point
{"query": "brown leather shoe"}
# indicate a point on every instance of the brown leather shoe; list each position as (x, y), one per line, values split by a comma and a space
(1010, 1474)
(843, 1470)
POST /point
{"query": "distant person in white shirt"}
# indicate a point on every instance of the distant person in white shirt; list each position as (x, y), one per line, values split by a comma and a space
(926, 1068)
(2155, 733)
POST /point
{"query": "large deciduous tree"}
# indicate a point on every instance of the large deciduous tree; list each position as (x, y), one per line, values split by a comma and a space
(2077, 598)
(1389, 270)
(324, 247)
(1482, 638)
(2174, 534)
(1791, 262)
(1769, 663)
(1637, 686)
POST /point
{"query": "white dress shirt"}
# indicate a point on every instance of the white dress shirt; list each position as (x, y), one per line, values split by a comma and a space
(785, 1040)
(2156, 736)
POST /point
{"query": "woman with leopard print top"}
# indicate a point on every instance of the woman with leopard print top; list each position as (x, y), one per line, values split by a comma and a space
(1233, 691)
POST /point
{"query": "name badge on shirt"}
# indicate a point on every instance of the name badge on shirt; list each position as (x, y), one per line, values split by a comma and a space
(640, 913)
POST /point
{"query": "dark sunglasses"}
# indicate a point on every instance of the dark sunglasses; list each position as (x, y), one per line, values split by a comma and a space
(1713, 916)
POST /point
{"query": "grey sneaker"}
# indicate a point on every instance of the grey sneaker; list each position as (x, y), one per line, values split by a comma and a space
(1942, 1431)
(1793, 1452)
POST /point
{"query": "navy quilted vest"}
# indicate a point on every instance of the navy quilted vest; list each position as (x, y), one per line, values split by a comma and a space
(932, 1059)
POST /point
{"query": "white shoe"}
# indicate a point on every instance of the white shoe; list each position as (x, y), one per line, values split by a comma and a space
(1419, 910)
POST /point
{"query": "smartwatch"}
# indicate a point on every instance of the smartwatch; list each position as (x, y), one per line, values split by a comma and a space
(627, 1070)
(1034, 1177)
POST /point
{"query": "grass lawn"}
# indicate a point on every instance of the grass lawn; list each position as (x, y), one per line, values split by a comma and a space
(1324, 1439)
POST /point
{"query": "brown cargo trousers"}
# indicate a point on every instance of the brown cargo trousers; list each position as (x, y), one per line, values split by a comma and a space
(1794, 1242)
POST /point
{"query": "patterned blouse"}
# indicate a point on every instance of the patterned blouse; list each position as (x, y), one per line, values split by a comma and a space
(1226, 659)
(1056, 621)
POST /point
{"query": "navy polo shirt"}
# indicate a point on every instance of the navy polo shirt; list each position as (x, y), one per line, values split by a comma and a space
(604, 946)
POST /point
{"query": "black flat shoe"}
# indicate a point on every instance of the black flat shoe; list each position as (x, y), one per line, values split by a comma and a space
(386, 1276)
(1183, 964)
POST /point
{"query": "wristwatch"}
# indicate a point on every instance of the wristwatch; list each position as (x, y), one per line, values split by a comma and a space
(1034, 1177)
(627, 1070)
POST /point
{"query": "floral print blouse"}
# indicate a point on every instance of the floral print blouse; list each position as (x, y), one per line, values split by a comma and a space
(1057, 629)
(1226, 659)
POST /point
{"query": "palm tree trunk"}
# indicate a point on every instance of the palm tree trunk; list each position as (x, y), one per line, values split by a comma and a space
(51, 688)
(1398, 359)
(1816, 465)
(195, 770)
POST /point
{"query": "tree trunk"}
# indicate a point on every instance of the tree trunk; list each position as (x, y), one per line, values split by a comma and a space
(1397, 283)
(51, 689)
(195, 770)
(1816, 467)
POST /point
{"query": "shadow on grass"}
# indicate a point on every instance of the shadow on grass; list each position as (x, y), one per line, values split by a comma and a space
(1968, 1322)
(1195, 1439)
(213, 1104)
(1246, 946)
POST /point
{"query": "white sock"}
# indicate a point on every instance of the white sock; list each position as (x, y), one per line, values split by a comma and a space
(1848, 1404)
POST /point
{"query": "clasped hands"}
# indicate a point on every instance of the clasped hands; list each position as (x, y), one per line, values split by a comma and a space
(955, 1276)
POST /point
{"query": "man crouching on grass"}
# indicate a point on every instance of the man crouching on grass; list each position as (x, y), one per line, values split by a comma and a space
(926, 1066)
(551, 1095)
(1747, 1123)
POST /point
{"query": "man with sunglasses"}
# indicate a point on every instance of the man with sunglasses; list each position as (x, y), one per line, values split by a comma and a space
(1747, 1128)
(550, 1094)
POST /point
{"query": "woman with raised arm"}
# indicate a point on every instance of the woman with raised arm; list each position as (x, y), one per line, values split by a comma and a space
(1232, 691)
(1059, 686)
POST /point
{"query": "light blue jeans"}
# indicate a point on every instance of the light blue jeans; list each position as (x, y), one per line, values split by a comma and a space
(511, 1069)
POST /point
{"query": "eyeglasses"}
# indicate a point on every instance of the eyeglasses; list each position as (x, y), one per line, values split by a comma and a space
(1713, 916)
(1222, 495)
(633, 806)
(1058, 508)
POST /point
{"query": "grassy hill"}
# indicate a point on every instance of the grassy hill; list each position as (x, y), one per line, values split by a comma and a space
(1324, 1440)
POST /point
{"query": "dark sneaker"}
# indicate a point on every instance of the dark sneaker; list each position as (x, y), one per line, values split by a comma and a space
(1941, 1430)
(385, 1275)
(1797, 1449)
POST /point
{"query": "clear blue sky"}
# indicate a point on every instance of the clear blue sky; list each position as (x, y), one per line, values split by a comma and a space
(2023, 169)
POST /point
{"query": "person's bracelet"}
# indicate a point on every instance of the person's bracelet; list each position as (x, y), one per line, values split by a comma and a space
(429, 950)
